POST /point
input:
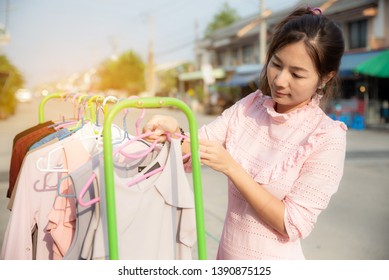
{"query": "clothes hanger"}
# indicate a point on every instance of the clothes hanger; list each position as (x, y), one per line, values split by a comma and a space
(138, 136)
(84, 190)
(93, 109)
(158, 169)
(152, 170)
(82, 116)
(63, 120)
(48, 167)
(97, 199)
(145, 176)
(181, 137)
(134, 139)
(72, 195)
(105, 106)
(75, 122)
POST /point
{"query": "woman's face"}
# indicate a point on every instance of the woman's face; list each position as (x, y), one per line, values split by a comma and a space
(292, 77)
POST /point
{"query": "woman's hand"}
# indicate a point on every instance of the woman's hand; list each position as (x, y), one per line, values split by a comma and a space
(160, 125)
(214, 155)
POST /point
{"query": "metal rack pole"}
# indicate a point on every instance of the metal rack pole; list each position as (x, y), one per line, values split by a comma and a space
(151, 102)
(41, 111)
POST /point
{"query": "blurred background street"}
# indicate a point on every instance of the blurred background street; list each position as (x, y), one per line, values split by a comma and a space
(354, 227)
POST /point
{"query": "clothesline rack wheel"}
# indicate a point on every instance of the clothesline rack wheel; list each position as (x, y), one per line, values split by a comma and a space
(151, 102)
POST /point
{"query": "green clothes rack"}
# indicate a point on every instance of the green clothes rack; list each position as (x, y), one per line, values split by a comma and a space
(149, 102)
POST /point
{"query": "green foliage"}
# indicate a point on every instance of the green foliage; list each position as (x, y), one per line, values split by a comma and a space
(168, 79)
(10, 81)
(126, 73)
(200, 94)
(167, 82)
(225, 17)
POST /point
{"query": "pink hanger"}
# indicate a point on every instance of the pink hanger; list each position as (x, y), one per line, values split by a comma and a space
(135, 156)
(144, 176)
(84, 190)
(159, 169)
(141, 117)
(181, 137)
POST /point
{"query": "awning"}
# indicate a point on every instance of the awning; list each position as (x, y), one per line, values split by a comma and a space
(239, 80)
(351, 60)
(245, 74)
(198, 75)
(377, 66)
(248, 69)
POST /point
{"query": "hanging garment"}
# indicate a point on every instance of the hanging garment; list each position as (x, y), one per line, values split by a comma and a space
(29, 130)
(87, 217)
(34, 199)
(60, 134)
(155, 217)
(61, 225)
(12, 198)
(62, 218)
(86, 134)
(22, 143)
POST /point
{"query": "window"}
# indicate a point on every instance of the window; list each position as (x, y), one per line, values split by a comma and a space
(358, 34)
(248, 54)
(221, 58)
(235, 57)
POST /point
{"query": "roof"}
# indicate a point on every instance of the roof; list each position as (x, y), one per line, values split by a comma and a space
(337, 5)
(232, 30)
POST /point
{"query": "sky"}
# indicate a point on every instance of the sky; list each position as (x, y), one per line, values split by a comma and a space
(52, 39)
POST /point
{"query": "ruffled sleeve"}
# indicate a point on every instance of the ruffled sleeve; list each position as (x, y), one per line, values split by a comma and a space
(318, 180)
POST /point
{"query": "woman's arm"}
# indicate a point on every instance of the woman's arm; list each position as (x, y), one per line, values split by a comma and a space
(268, 207)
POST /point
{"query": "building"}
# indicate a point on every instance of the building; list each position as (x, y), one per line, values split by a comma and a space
(235, 50)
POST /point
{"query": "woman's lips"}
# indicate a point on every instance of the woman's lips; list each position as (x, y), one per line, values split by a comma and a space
(277, 93)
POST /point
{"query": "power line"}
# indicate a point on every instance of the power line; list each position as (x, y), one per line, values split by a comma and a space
(177, 48)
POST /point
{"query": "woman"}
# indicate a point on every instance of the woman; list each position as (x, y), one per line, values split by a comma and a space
(282, 154)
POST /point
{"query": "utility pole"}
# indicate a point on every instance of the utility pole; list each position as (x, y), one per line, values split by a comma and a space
(262, 32)
(4, 35)
(150, 79)
(262, 35)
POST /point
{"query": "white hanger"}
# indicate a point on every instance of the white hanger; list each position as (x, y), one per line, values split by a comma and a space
(48, 168)
(109, 97)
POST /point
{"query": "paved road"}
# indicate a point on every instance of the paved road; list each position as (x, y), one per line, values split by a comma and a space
(354, 227)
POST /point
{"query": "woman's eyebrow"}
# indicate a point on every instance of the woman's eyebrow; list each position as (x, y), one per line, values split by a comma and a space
(294, 68)
(300, 69)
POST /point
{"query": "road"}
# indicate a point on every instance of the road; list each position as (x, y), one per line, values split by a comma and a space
(354, 227)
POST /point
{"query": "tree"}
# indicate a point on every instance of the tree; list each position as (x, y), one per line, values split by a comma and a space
(226, 16)
(126, 73)
(10, 81)
(168, 78)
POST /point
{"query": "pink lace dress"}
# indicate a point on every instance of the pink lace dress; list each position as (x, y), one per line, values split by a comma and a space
(298, 157)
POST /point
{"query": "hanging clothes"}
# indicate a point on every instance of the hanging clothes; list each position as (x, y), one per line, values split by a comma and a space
(156, 218)
(34, 199)
(87, 217)
(21, 145)
(154, 200)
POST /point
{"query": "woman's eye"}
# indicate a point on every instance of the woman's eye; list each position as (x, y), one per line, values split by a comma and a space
(275, 64)
(296, 76)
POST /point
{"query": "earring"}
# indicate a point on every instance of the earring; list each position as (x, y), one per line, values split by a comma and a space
(323, 85)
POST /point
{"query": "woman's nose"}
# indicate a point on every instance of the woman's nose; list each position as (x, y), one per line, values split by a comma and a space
(281, 79)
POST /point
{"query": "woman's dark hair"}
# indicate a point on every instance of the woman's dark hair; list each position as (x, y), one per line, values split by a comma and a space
(323, 40)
